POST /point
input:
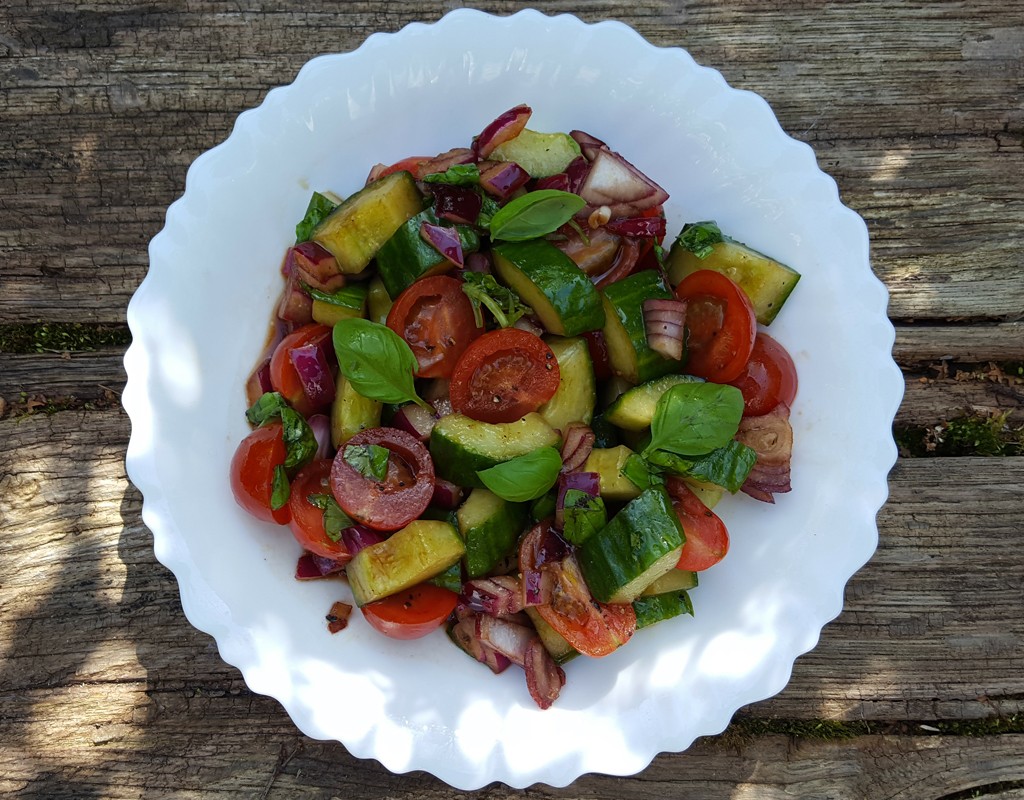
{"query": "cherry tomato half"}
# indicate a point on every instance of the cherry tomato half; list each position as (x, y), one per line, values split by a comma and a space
(405, 492)
(412, 613)
(252, 472)
(769, 378)
(720, 325)
(435, 318)
(504, 375)
(307, 522)
(284, 378)
(707, 540)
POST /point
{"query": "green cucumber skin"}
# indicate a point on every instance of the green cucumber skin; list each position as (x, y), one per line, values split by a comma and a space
(406, 257)
(456, 460)
(576, 396)
(660, 607)
(641, 533)
(571, 294)
(626, 298)
(489, 540)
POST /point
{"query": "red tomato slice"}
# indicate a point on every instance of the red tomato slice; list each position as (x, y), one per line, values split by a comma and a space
(720, 325)
(707, 540)
(252, 472)
(284, 378)
(307, 522)
(401, 497)
(504, 375)
(595, 629)
(435, 318)
(412, 613)
(769, 378)
(411, 164)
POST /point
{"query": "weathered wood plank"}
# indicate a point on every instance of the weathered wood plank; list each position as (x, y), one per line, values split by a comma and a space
(84, 601)
(968, 344)
(106, 127)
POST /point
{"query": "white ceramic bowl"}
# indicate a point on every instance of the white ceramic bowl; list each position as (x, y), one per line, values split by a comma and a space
(199, 321)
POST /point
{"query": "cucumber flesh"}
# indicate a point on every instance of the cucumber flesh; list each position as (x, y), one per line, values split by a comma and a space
(351, 412)
(633, 410)
(418, 552)
(540, 154)
(675, 580)
(624, 331)
(576, 395)
(608, 463)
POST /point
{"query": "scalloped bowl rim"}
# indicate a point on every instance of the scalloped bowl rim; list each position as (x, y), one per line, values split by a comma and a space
(668, 687)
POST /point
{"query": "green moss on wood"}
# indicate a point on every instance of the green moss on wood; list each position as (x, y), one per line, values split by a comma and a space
(61, 337)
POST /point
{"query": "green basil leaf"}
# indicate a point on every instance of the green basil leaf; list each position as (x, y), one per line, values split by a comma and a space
(376, 361)
(483, 290)
(692, 419)
(319, 207)
(583, 515)
(320, 501)
(698, 237)
(641, 473)
(450, 579)
(524, 478)
(456, 175)
(369, 460)
(299, 441)
(353, 296)
(488, 209)
(280, 489)
(534, 214)
(268, 407)
(335, 520)
(543, 507)
(726, 466)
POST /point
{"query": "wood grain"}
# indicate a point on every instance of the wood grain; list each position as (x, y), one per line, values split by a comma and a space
(97, 655)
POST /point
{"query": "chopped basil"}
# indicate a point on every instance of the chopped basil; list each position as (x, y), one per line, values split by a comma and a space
(299, 441)
(483, 290)
(726, 466)
(353, 297)
(488, 209)
(583, 515)
(692, 419)
(525, 477)
(376, 361)
(543, 507)
(319, 207)
(335, 520)
(699, 237)
(456, 175)
(534, 214)
(280, 489)
(641, 472)
(369, 460)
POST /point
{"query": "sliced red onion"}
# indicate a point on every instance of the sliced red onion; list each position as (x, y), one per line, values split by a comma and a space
(314, 373)
(446, 494)
(771, 438)
(577, 445)
(443, 239)
(456, 203)
(375, 172)
(499, 596)
(478, 262)
(663, 321)
(502, 178)
(540, 551)
(505, 637)
(414, 419)
(295, 305)
(559, 182)
(463, 633)
(640, 227)
(337, 617)
(577, 172)
(537, 587)
(614, 182)
(313, 567)
(321, 427)
(544, 678)
(589, 482)
(359, 536)
(622, 266)
(443, 161)
(530, 324)
(594, 253)
(506, 126)
(259, 382)
(590, 146)
(315, 265)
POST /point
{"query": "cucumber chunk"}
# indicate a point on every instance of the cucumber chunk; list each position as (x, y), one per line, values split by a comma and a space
(558, 648)
(576, 396)
(660, 607)
(550, 283)
(633, 410)
(461, 446)
(675, 580)
(419, 551)
(767, 282)
(356, 230)
(351, 412)
(490, 526)
(640, 544)
(608, 463)
(406, 257)
(540, 154)
(624, 329)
